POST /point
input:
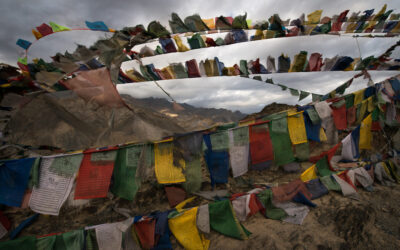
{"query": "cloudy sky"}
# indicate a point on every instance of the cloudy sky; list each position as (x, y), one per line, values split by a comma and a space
(19, 17)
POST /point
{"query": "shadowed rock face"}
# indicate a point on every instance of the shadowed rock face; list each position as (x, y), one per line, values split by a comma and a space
(66, 121)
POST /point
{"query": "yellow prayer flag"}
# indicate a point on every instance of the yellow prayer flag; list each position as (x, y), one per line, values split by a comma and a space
(314, 17)
(371, 25)
(184, 228)
(269, 34)
(396, 28)
(297, 128)
(309, 28)
(246, 122)
(309, 174)
(259, 34)
(371, 104)
(210, 23)
(365, 133)
(36, 34)
(361, 109)
(351, 27)
(166, 172)
(358, 96)
(322, 135)
(380, 13)
(181, 46)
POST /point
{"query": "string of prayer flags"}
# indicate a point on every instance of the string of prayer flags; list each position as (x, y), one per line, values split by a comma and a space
(14, 176)
(23, 43)
(98, 25)
(94, 176)
(224, 221)
(52, 191)
(166, 171)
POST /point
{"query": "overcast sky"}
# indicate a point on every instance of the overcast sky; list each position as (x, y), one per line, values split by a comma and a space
(18, 17)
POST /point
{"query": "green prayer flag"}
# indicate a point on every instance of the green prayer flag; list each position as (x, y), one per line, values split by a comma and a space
(342, 88)
(316, 97)
(219, 140)
(227, 126)
(159, 50)
(70, 240)
(241, 136)
(179, 70)
(193, 175)
(339, 104)
(330, 183)
(224, 221)
(303, 94)
(271, 211)
(302, 151)
(314, 117)
(219, 41)
(57, 27)
(125, 184)
(91, 240)
(349, 99)
(281, 142)
(283, 87)
(109, 155)
(34, 175)
(46, 243)
(257, 78)
(299, 62)
(23, 60)
(294, 92)
(66, 165)
(243, 68)
(21, 243)
(323, 167)
(375, 114)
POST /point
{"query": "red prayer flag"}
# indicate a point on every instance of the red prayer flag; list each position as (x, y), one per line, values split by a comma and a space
(175, 195)
(286, 192)
(346, 178)
(95, 85)
(336, 26)
(94, 176)
(253, 205)
(339, 117)
(376, 126)
(351, 114)
(44, 29)
(192, 68)
(145, 230)
(315, 62)
(4, 220)
(330, 153)
(260, 143)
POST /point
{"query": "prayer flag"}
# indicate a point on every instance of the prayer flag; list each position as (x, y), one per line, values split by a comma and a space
(260, 143)
(166, 172)
(24, 43)
(98, 25)
(94, 175)
(296, 127)
(44, 29)
(58, 28)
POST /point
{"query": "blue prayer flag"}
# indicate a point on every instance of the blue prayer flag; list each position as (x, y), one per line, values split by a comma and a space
(23, 43)
(99, 25)
(14, 176)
